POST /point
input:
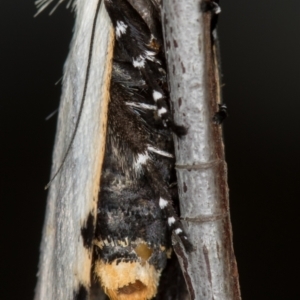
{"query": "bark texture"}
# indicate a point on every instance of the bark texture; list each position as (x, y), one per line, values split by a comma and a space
(210, 270)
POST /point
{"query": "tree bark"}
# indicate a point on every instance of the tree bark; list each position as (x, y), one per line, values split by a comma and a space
(210, 270)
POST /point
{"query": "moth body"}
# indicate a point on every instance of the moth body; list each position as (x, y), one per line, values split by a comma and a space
(135, 209)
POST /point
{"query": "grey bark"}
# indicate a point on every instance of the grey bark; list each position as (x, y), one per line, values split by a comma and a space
(210, 270)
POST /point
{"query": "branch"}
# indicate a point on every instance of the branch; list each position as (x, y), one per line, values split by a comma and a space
(210, 270)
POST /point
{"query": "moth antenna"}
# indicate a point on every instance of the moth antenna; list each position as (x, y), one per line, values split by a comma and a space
(51, 115)
(82, 99)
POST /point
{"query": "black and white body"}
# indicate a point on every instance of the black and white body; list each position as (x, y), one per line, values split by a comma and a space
(121, 238)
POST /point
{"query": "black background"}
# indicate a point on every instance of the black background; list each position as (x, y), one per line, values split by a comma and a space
(260, 43)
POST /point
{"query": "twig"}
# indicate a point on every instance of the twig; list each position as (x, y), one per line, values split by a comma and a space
(210, 270)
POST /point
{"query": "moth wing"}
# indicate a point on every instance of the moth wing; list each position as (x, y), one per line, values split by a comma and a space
(66, 248)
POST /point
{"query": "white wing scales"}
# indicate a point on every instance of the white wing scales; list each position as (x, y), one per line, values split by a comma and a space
(65, 262)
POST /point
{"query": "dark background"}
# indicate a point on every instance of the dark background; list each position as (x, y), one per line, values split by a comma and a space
(260, 43)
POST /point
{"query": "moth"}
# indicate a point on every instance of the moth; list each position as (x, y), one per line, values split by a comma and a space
(121, 232)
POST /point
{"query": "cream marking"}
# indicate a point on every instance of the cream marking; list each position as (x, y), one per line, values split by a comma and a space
(217, 9)
(171, 221)
(161, 111)
(142, 105)
(157, 95)
(139, 62)
(160, 152)
(162, 203)
(149, 55)
(140, 161)
(178, 230)
(121, 28)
